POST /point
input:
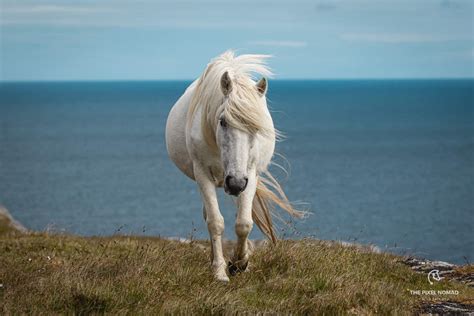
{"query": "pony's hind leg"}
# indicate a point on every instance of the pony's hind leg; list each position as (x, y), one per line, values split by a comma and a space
(243, 226)
(215, 224)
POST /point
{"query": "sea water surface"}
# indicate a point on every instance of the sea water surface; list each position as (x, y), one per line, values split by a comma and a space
(387, 162)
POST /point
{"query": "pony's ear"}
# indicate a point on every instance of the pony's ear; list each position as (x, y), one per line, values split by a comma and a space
(262, 86)
(226, 84)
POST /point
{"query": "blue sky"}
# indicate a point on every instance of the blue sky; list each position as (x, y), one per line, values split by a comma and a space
(144, 39)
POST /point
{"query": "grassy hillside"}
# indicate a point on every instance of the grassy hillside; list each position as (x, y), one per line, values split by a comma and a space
(44, 274)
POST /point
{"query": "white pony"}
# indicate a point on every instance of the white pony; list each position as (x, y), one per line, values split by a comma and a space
(220, 134)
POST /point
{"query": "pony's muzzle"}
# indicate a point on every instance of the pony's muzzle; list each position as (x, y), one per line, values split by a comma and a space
(234, 185)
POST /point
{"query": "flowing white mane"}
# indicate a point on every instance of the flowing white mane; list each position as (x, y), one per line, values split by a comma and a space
(242, 108)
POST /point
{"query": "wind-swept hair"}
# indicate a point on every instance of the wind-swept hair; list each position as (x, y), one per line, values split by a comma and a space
(242, 109)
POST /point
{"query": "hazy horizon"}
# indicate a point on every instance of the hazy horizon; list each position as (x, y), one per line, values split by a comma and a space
(272, 79)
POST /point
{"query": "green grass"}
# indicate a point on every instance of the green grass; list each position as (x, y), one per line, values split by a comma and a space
(47, 274)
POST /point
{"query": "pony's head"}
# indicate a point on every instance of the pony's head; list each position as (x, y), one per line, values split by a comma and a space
(238, 128)
(234, 114)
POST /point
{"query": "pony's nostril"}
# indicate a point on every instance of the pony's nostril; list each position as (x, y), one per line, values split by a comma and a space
(246, 182)
(229, 181)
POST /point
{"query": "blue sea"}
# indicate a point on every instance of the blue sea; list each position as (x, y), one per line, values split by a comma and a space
(388, 162)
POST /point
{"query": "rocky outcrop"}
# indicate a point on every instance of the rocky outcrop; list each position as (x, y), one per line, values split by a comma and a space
(464, 274)
(449, 271)
(446, 308)
(8, 224)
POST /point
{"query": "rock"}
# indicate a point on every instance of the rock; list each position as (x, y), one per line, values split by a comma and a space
(423, 265)
(464, 274)
(8, 224)
(446, 308)
(451, 272)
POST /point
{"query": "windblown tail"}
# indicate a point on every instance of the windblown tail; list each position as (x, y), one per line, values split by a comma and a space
(268, 195)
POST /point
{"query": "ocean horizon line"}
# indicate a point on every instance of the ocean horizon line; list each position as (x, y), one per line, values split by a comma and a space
(276, 79)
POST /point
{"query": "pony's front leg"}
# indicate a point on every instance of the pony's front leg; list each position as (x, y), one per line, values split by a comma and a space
(243, 226)
(215, 223)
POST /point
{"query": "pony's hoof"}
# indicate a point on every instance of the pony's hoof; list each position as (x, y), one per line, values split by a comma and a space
(237, 267)
(219, 272)
(221, 275)
(222, 278)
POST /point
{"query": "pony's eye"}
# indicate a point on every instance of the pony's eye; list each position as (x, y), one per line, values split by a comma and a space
(223, 122)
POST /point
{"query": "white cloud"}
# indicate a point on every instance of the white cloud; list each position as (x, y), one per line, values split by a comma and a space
(51, 14)
(279, 43)
(397, 38)
(146, 13)
(48, 8)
